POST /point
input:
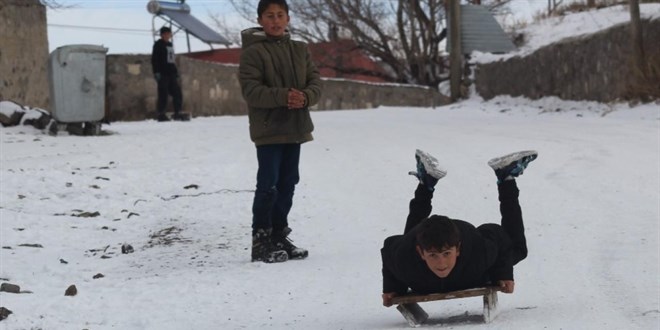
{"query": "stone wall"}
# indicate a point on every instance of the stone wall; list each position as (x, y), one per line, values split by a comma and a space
(212, 89)
(595, 67)
(24, 53)
(349, 94)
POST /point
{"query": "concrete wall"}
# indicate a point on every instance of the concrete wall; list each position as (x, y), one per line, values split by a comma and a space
(596, 67)
(212, 89)
(24, 53)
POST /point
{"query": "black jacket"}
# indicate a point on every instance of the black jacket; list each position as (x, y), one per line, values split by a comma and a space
(162, 59)
(485, 257)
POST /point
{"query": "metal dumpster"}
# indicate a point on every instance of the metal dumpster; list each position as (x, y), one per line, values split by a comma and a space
(77, 84)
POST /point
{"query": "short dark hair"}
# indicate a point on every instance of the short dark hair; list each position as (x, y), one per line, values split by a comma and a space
(263, 5)
(438, 233)
(165, 29)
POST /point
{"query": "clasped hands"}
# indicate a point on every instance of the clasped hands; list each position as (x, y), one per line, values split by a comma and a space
(296, 99)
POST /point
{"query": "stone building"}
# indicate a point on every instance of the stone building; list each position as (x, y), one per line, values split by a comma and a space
(24, 53)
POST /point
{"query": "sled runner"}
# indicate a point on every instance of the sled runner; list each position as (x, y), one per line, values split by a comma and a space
(415, 315)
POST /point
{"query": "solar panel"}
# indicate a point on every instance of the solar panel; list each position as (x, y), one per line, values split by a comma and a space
(480, 31)
(194, 26)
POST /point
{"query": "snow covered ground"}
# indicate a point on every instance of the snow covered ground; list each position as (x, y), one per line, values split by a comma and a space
(591, 203)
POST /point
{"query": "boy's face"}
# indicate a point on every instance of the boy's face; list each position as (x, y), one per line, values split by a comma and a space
(274, 20)
(442, 262)
(166, 36)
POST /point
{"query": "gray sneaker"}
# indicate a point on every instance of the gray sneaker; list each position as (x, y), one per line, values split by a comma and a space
(428, 170)
(512, 165)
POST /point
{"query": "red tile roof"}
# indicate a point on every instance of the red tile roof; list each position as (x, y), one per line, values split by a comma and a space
(227, 55)
(327, 55)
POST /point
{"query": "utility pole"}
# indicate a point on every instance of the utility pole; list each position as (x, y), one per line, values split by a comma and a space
(456, 53)
(636, 37)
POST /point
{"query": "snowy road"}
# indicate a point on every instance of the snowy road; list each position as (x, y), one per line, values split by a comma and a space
(591, 204)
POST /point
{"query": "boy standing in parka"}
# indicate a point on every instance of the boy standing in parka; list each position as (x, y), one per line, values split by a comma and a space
(279, 82)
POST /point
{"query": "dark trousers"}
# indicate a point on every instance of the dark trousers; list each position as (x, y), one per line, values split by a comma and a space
(276, 180)
(169, 85)
(511, 223)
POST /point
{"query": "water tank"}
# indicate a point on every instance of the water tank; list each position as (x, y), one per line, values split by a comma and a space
(77, 83)
(156, 7)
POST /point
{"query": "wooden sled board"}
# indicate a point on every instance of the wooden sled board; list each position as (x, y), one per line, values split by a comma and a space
(416, 316)
(415, 298)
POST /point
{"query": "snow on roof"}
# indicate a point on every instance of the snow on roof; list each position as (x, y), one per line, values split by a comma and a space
(555, 29)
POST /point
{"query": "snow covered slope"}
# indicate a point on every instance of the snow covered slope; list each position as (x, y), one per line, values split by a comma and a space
(591, 206)
(554, 29)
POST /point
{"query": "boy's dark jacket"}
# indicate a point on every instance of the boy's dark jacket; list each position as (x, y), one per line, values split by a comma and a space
(269, 67)
(159, 59)
(485, 257)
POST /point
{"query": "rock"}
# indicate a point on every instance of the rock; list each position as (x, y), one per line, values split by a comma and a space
(10, 113)
(39, 118)
(53, 127)
(71, 291)
(127, 248)
(519, 39)
(32, 245)
(87, 214)
(99, 275)
(62, 261)
(4, 313)
(11, 288)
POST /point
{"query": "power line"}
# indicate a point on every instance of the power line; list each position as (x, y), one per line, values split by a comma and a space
(97, 28)
(101, 29)
(117, 4)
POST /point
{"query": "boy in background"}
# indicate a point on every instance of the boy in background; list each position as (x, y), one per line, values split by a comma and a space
(166, 75)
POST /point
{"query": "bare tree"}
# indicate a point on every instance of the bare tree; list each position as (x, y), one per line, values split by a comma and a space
(404, 36)
(54, 4)
(225, 29)
(552, 5)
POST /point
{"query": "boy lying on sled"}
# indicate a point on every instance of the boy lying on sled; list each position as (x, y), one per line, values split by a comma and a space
(438, 254)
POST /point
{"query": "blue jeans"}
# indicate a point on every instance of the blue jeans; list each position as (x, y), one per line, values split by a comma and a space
(276, 180)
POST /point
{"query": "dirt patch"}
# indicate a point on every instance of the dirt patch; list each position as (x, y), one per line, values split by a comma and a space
(167, 236)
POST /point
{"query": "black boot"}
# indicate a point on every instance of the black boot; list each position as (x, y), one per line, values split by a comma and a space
(180, 116)
(162, 117)
(264, 250)
(282, 241)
